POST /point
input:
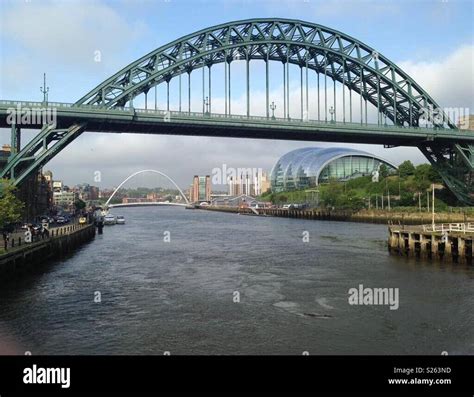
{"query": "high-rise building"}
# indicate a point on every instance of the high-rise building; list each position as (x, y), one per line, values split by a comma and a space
(200, 190)
(249, 184)
(264, 184)
(466, 122)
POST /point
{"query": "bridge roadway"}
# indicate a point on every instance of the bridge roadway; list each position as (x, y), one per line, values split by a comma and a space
(150, 121)
(122, 205)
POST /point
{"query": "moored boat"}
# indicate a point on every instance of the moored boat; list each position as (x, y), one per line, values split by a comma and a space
(110, 219)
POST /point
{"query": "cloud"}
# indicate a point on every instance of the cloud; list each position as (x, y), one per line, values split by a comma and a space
(334, 8)
(450, 82)
(77, 37)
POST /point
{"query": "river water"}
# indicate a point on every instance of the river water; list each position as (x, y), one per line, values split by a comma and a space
(234, 284)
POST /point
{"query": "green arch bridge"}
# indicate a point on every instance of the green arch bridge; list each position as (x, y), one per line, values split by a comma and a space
(327, 60)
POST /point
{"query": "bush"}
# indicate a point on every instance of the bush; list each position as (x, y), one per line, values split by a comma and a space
(358, 183)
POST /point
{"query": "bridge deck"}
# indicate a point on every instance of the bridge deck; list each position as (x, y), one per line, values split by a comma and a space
(122, 205)
(130, 120)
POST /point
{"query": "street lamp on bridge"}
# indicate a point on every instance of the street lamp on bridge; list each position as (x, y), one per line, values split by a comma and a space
(44, 90)
(332, 111)
(206, 103)
(273, 107)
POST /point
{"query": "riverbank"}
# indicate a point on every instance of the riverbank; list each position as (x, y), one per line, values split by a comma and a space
(23, 256)
(365, 216)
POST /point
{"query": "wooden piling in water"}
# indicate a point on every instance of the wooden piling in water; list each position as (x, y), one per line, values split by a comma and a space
(450, 243)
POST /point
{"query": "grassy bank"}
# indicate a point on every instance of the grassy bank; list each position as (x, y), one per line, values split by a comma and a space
(408, 192)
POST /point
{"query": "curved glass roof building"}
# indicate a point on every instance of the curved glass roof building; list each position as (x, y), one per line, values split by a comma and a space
(309, 167)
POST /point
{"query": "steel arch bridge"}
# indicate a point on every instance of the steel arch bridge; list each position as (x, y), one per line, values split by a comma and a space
(325, 53)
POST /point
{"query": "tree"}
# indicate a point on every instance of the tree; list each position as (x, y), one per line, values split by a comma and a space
(406, 168)
(383, 171)
(434, 175)
(10, 205)
(80, 205)
(423, 175)
(407, 199)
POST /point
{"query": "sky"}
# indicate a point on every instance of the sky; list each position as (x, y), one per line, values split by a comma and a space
(81, 43)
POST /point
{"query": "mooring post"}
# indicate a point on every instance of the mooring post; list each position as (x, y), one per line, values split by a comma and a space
(471, 249)
(392, 240)
(461, 250)
(448, 249)
(411, 244)
(434, 247)
(424, 246)
(401, 243)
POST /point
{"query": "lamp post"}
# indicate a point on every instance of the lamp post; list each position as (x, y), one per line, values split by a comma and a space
(206, 104)
(399, 186)
(44, 90)
(332, 111)
(273, 107)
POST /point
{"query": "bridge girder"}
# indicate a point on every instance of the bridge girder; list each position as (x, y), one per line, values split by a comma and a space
(456, 169)
(326, 51)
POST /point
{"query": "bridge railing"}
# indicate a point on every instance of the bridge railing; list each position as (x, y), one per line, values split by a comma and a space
(449, 227)
(35, 104)
(18, 238)
(276, 120)
(193, 115)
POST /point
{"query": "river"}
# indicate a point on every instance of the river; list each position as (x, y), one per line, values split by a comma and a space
(234, 284)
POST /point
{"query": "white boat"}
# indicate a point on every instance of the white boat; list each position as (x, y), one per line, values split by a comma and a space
(120, 220)
(110, 219)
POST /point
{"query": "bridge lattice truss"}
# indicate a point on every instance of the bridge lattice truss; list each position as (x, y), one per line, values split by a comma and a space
(329, 53)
